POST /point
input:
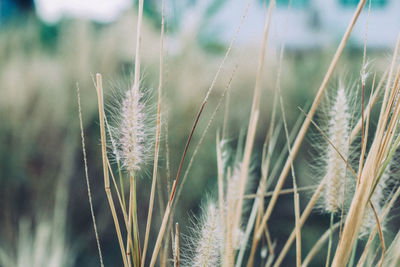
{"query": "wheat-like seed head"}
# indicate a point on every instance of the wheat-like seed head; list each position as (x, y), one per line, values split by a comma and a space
(336, 167)
(132, 130)
(211, 241)
(231, 202)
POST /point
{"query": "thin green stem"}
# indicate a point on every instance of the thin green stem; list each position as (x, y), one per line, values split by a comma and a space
(328, 257)
(135, 227)
(121, 183)
(353, 254)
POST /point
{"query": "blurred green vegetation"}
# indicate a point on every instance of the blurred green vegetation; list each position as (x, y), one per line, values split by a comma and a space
(40, 150)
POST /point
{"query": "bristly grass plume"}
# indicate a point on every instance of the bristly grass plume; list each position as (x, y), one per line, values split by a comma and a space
(216, 238)
(132, 132)
(131, 128)
(209, 243)
(335, 166)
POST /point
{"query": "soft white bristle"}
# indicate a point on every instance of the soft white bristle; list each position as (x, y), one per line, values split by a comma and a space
(336, 167)
(232, 197)
(233, 189)
(210, 244)
(132, 130)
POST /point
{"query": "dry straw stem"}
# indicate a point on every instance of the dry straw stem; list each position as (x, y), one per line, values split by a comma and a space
(118, 195)
(157, 142)
(220, 179)
(176, 246)
(87, 177)
(129, 230)
(363, 80)
(307, 121)
(125, 216)
(381, 239)
(253, 120)
(318, 245)
(99, 90)
(138, 45)
(298, 229)
(389, 81)
(283, 192)
(161, 233)
(226, 114)
(364, 137)
(369, 106)
(122, 201)
(302, 220)
(132, 222)
(258, 206)
(382, 143)
(132, 194)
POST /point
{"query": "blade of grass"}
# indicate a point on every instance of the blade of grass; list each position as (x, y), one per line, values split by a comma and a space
(318, 245)
(302, 220)
(87, 178)
(176, 249)
(118, 165)
(283, 192)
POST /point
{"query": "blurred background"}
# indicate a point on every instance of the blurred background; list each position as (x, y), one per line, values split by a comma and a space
(49, 47)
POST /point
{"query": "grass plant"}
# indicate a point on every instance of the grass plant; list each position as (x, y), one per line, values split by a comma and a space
(237, 227)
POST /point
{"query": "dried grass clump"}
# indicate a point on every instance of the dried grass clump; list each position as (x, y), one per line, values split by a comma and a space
(220, 240)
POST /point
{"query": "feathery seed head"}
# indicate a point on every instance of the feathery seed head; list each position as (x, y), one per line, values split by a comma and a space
(231, 203)
(211, 240)
(335, 166)
(233, 189)
(132, 134)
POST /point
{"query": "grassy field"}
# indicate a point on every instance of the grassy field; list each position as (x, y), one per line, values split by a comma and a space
(238, 150)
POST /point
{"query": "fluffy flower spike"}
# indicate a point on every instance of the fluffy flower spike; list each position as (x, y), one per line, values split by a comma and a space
(132, 130)
(335, 166)
(210, 243)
